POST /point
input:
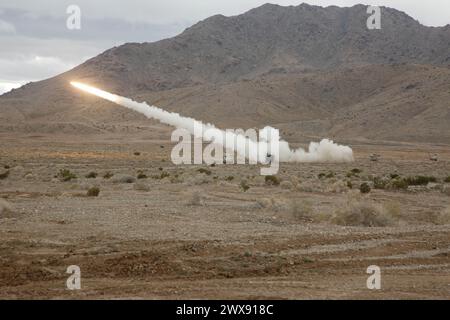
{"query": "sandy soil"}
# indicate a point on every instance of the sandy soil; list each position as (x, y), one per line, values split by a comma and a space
(198, 235)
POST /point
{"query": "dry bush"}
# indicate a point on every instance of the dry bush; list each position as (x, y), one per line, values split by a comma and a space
(66, 175)
(108, 175)
(309, 186)
(140, 186)
(420, 180)
(337, 187)
(364, 188)
(287, 185)
(124, 178)
(91, 175)
(272, 180)
(360, 212)
(397, 184)
(244, 185)
(205, 171)
(4, 175)
(141, 175)
(93, 192)
(301, 209)
(5, 206)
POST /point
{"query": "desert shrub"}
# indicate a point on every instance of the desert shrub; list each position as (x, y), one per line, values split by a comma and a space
(327, 175)
(91, 175)
(164, 175)
(308, 186)
(398, 184)
(66, 175)
(337, 187)
(420, 180)
(447, 179)
(137, 153)
(362, 213)
(4, 175)
(196, 199)
(205, 171)
(140, 186)
(287, 185)
(349, 184)
(160, 169)
(176, 179)
(394, 175)
(124, 178)
(93, 192)
(301, 209)
(141, 175)
(108, 175)
(356, 171)
(5, 206)
(272, 181)
(6, 167)
(364, 188)
(379, 183)
(229, 178)
(244, 186)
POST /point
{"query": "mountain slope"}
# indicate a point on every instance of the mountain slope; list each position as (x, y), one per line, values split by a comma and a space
(315, 68)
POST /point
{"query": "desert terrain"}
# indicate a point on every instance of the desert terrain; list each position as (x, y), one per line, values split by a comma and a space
(160, 231)
(89, 183)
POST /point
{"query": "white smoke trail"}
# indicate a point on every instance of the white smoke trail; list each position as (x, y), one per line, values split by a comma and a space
(324, 151)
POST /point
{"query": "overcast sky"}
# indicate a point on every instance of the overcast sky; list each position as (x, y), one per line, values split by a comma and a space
(36, 44)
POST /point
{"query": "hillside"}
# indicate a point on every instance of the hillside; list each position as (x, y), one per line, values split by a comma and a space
(309, 70)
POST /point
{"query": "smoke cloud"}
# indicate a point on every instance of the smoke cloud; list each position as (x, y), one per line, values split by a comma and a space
(256, 151)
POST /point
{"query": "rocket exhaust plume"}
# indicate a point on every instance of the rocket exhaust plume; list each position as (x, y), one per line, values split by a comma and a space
(323, 151)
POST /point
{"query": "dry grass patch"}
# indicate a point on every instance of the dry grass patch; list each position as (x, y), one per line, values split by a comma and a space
(301, 209)
(124, 178)
(93, 192)
(364, 212)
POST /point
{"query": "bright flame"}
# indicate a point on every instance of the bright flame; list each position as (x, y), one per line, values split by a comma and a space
(99, 93)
